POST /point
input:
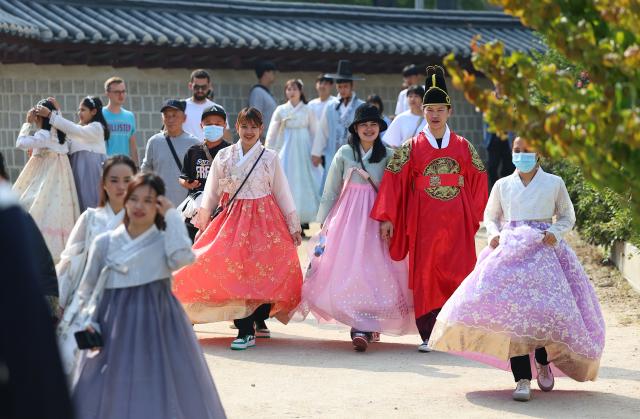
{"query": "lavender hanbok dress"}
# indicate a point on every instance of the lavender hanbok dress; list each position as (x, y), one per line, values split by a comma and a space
(524, 294)
(151, 365)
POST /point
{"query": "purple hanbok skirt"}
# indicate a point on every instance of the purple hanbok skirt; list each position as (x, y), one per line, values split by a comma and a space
(521, 296)
(87, 173)
(151, 365)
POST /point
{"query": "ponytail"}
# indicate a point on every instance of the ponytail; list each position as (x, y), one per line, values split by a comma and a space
(95, 103)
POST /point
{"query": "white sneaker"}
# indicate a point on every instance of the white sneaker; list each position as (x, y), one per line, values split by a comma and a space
(545, 377)
(423, 347)
(243, 343)
(522, 392)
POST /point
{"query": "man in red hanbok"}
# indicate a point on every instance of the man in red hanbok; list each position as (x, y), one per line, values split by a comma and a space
(431, 202)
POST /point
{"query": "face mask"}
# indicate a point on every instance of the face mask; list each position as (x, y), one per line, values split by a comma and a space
(213, 132)
(524, 162)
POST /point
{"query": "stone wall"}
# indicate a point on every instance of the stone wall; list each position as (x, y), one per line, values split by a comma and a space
(22, 85)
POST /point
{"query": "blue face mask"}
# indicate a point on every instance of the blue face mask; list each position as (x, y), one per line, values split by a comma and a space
(213, 132)
(524, 162)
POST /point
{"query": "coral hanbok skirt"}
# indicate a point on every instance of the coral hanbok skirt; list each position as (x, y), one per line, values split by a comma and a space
(521, 296)
(244, 258)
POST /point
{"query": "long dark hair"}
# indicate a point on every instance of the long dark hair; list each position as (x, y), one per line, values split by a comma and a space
(46, 123)
(154, 182)
(94, 102)
(300, 86)
(106, 167)
(378, 153)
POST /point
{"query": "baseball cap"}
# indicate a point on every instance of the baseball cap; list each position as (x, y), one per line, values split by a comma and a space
(214, 110)
(180, 105)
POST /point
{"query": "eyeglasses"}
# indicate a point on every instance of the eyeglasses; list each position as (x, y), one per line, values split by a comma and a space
(118, 92)
(200, 87)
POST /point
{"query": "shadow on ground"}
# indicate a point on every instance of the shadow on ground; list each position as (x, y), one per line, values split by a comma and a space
(290, 350)
(558, 403)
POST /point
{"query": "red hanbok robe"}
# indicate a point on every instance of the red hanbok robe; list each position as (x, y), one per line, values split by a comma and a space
(435, 199)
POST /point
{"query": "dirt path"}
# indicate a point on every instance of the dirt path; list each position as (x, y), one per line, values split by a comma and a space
(309, 371)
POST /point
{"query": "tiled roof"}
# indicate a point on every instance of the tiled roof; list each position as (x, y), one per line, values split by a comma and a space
(262, 26)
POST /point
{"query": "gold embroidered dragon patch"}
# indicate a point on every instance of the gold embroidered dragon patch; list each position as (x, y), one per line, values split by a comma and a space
(475, 158)
(400, 158)
(439, 166)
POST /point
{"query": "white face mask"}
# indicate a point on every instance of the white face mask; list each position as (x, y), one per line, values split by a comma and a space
(213, 132)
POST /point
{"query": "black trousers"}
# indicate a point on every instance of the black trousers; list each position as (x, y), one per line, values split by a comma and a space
(191, 230)
(246, 326)
(521, 365)
(425, 323)
(499, 162)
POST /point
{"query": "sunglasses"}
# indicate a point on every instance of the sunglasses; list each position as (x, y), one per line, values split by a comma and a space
(200, 87)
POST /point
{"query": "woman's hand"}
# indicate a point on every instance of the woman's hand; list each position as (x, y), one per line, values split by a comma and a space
(549, 239)
(43, 111)
(386, 230)
(297, 238)
(31, 116)
(495, 242)
(92, 331)
(54, 102)
(315, 160)
(163, 204)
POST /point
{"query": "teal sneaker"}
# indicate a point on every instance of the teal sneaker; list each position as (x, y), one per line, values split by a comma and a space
(243, 343)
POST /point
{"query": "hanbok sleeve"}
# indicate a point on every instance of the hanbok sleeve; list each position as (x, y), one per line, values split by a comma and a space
(284, 198)
(177, 243)
(393, 135)
(313, 123)
(322, 134)
(211, 194)
(92, 133)
(493, 215)
(332, 188)
(95, 263)
(394, 198)
(69, 266)
(477, 182)
(564, 212)
(273, 140)
(40, 139)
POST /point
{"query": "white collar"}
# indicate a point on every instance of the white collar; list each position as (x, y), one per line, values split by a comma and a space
(122, 232)
(245, 157)
(432, 139)
(367, 155)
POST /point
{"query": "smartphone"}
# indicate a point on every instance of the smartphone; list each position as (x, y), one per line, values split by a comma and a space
(88, 340)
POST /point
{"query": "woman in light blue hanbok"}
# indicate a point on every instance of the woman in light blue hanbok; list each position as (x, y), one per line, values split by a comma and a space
(290, 134)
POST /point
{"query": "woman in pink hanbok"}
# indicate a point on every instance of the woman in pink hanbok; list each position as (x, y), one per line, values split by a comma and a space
(353, 279)
(528, 293)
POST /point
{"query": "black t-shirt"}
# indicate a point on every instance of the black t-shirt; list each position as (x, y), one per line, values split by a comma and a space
(196, 165)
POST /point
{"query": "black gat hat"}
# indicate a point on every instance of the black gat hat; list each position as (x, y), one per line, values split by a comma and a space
(344, 72)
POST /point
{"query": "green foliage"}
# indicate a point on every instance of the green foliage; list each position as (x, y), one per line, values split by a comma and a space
(596, 126)
(601, 216)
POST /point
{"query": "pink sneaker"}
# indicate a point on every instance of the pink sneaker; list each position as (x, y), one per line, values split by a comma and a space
(545, 377)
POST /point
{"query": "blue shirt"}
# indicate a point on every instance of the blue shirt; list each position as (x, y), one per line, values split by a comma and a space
(121, 127)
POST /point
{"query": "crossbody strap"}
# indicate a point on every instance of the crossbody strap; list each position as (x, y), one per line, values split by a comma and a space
(219, 209)
(173, 151)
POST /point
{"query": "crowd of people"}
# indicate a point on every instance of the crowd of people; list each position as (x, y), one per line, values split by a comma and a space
(206, 230)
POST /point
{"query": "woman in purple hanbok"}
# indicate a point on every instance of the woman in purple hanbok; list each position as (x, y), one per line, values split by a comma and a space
(528, 292)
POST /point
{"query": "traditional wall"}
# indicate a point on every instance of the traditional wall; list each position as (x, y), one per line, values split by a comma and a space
(22, 85)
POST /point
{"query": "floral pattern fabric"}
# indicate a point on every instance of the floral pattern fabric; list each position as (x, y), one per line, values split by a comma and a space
(521, 296)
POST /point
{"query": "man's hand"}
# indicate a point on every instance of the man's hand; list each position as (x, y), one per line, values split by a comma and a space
(297, 238)
(386, 230)
(316, 160)
(189, 185)
(549, 239)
